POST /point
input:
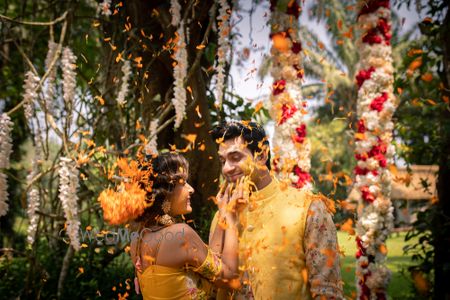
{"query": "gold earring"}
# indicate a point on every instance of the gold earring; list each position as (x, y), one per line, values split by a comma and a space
(166, 219)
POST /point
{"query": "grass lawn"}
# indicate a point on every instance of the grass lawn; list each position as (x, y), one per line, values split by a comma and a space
(400, 284)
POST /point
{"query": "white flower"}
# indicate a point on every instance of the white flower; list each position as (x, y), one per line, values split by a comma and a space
(223, 48)
(5, 140)
(152, 145)
(68, 65)
(126, 70)
(104, 8)
(175, 11)
(179, 74)
(68, 185)
(30, 94)
(49, 89)
(33, 206)
(5, 152)
(3, 194)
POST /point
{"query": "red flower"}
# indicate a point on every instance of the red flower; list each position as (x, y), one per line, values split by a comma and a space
(363, 75)
(378, 149)
(381, 160)
(367, 195)
(278, 87)
(361, 126)
(296, 47)
(362, 157)
(361, 171)
(360, 246)
(372, 37)
(371, 6)
(303, 177)
(301, 134)
(287, 112)
(377, 103)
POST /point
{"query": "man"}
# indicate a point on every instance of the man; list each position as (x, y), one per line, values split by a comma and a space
(288, 245)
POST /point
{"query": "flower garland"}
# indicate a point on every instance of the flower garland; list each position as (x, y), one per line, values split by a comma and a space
(33, 206)
(30, 94)
(376, 105)
(152, 146)
(181, 65)
(223, 48)
(68, 65)
(5, 152)
(49, 89)
(126, 70)
(291, 146)
(68, 185)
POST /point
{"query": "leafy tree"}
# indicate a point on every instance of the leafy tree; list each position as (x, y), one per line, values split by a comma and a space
(423, 124)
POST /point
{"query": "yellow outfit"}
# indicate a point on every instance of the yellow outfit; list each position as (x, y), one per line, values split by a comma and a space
(158, 282)
(271, 249)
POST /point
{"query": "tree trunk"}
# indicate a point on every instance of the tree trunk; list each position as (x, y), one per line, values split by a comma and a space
(442, 225)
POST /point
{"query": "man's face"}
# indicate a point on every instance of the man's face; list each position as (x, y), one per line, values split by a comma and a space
(236, 159)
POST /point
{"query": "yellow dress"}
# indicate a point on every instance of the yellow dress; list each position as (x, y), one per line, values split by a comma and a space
(158, 282)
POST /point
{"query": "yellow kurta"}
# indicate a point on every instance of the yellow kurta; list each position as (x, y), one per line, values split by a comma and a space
(271, 245)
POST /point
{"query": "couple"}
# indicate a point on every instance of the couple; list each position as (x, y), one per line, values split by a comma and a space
(281, 245)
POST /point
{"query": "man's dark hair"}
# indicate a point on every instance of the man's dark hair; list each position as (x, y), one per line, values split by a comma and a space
(251, 132)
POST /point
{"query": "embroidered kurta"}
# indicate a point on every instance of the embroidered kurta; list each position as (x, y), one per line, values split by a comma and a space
(288, 246)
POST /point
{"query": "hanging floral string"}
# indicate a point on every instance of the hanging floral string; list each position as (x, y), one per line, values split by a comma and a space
(181, 64)
(68, 185)
(376, 105)
(30, 94)
(223, 48)
(126, 70)
(5, 152)
(33, 206)
(291, 146)
(49, 89)
(152, 145)
(68, 65)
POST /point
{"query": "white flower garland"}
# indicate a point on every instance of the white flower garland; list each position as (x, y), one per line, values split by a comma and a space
(374, 152)
(180, 69)
(223, 48)
(126, 70)
(33, 206)
(152, 145)
(49, 89)
(30, 93)
(68, 65)
(68, 185)
(291, 146)
(5, 152)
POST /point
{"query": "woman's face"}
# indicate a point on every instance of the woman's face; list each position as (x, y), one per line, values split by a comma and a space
(180, 198)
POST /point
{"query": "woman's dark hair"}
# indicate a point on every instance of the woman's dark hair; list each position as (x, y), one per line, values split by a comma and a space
(251, 132)
(168, 169)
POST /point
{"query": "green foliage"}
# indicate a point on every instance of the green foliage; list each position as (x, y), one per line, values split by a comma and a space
(423, 129)
(332, 160)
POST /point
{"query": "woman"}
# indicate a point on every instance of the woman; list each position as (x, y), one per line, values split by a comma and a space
(171, 260)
